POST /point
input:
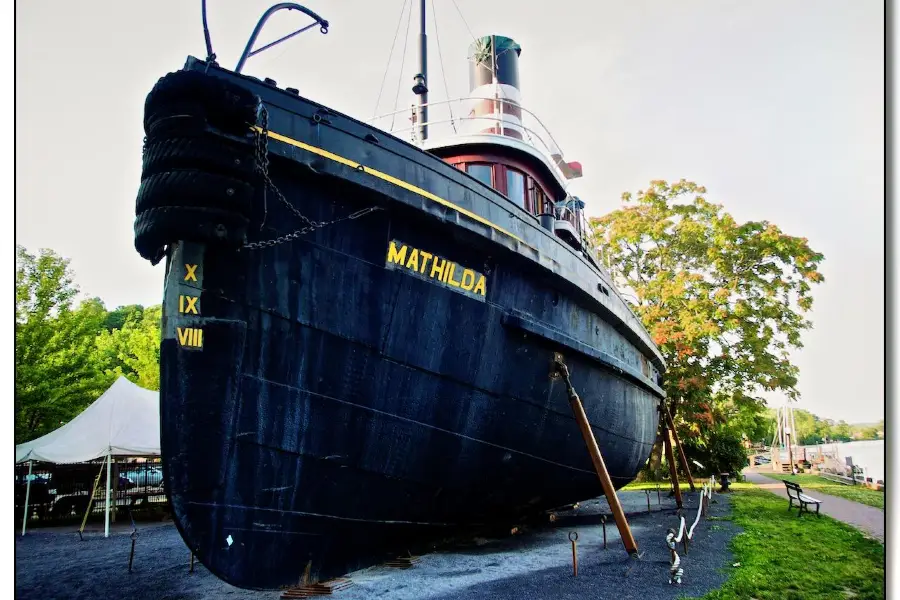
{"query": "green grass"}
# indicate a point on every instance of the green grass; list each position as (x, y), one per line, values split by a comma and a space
(783, 557)
(857, 493)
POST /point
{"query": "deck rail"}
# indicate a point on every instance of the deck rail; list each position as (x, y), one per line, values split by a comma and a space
(459, 119)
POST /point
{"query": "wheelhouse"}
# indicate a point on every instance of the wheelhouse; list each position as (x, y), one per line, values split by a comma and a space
(495, 140)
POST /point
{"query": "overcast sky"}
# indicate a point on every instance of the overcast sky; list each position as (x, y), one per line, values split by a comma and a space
(776, 107)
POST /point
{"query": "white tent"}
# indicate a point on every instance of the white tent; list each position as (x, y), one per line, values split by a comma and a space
(124, 421)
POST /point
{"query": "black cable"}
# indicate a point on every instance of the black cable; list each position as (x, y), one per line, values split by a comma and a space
(443, 71)
(390, 55)
(402, 64)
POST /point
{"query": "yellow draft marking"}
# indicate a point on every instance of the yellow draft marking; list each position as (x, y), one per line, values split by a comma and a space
(191, 274)
(390, 179)
(188, 304)
(442, 269)
(190, 336)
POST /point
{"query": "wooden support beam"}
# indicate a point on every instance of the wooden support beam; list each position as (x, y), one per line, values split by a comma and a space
(681, 456)
(597, 458)
(670, 458)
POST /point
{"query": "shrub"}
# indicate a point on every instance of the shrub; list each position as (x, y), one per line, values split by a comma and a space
(719, 453)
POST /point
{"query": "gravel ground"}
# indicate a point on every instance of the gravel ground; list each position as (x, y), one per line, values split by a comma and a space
(535, 564)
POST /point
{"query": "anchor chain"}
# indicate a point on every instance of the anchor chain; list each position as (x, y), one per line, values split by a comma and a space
(261, 152)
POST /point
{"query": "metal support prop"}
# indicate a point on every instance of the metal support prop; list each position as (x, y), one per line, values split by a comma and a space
(681, 456)
(670, 458)
(108, 491)
(573, 537)
(560, 370)
(27, 494)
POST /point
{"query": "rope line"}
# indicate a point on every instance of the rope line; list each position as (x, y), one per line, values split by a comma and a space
(464, 21)
(402, 64)
(443, 70)
(390, 55)
(706, 491)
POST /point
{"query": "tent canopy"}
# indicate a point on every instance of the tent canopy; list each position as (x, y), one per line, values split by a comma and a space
(124, 421)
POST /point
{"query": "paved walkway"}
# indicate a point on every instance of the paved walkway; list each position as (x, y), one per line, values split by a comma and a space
(867, 518)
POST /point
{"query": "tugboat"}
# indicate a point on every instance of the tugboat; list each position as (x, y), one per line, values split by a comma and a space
(359, 330)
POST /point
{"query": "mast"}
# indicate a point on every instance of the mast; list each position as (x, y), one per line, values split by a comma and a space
(421, 87)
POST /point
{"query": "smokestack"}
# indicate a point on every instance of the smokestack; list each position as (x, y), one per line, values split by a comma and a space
(494, 76)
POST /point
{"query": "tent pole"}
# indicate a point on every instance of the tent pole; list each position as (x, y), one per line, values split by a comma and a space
(27, 494)
(108, 486)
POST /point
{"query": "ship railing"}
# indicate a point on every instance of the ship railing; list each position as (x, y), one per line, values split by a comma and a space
(578, 220)
(457, 119)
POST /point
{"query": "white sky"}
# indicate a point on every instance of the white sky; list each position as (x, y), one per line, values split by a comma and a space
(777, 108)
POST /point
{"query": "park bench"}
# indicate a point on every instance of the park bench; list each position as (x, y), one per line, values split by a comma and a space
(795, 492)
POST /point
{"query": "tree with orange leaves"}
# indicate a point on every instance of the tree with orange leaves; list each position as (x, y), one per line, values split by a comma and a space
(725, 302)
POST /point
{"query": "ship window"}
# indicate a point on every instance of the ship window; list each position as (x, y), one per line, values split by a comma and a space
(515, 187)
(481, 172)
(537, 200)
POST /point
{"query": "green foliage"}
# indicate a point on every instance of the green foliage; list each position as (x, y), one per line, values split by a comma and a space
(55, 377)
(117, 318)
(721, 452)
(132, 350)
(66, 356)
(725, 302)
(785, 558)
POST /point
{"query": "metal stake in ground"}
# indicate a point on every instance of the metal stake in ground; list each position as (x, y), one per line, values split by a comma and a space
(603, 521)
(131, 557)
(573, 537)
(133, 539)
(560, 370)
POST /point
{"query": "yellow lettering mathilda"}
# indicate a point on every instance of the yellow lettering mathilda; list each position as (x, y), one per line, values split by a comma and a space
(449, 278)
(395, 255)
(413, 262)
(190, 336)
(479, 287)
(433, 267)
(468, 280)
(437, 268)
(425, 257)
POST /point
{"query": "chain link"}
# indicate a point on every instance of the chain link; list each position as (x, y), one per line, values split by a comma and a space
(262, 166)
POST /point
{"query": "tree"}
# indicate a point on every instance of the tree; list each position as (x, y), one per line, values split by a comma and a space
(55, 377)
(869, 433)
(116, 318)
(841, 432)
(132, 350)
(724, 301)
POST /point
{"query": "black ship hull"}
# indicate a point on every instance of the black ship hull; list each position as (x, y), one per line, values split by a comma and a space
(384, 379)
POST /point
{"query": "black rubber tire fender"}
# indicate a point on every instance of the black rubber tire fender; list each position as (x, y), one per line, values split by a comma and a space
(211, 153)
(156, 228)
(195, 188)
(223, 104)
